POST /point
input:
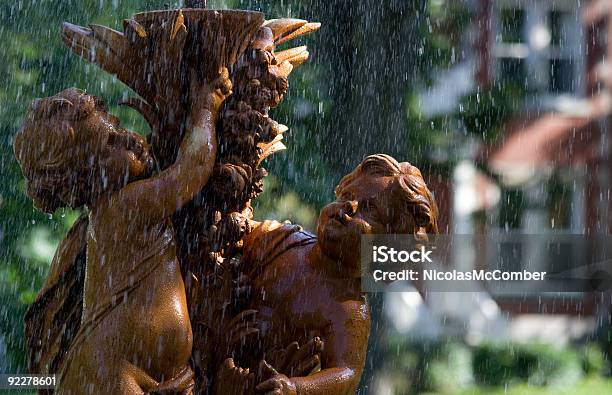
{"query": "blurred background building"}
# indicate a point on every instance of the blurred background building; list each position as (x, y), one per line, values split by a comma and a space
(539, 70)
(548, 171)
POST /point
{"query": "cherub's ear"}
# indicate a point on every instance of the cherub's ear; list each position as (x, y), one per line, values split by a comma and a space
(59, 106)
(419, 210)
(422, 217)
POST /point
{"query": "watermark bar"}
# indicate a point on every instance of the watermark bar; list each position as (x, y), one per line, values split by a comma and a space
(27, 381)
(501, 264)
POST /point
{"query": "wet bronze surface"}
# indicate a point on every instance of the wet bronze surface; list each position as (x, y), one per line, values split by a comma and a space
(165, 284)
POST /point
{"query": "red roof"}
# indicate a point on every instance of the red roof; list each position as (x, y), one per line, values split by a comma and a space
(548, 141)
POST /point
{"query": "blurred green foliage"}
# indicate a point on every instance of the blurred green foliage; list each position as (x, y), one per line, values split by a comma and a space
(589, 386)
(594, 360)
(441, 35)
(429, 365)
(450, 367)
(537, 364)
(484, 111)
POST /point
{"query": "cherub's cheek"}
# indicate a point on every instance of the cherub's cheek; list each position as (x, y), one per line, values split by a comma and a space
(367, 228)
(358, 227)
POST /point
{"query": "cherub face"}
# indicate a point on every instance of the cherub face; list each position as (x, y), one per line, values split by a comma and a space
(367, 205)
(113, 155)
(122, 156)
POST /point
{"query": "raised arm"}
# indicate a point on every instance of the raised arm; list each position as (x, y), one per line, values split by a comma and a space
(162, 195)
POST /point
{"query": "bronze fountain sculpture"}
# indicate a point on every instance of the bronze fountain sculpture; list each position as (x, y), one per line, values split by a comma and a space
(148, 292)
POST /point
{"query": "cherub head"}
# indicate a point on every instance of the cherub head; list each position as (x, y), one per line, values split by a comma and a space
(71, 150)
(380, 196)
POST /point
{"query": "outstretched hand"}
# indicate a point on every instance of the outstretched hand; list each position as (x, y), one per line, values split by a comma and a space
(296, 361)
(232, 379)
(273, 383)
(210, 94)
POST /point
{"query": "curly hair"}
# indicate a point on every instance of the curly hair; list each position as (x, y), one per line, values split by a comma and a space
(417, 199)
(44, 148)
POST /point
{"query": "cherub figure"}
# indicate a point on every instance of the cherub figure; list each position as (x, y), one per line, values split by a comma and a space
(135, 335)
(307, 287)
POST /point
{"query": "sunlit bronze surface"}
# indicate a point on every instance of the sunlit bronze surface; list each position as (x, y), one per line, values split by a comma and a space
(252, 307)
(134, 333)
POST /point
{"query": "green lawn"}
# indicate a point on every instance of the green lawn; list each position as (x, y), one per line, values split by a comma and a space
(588, 386)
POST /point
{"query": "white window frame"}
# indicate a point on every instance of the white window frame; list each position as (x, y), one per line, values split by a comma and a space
(537, 60)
